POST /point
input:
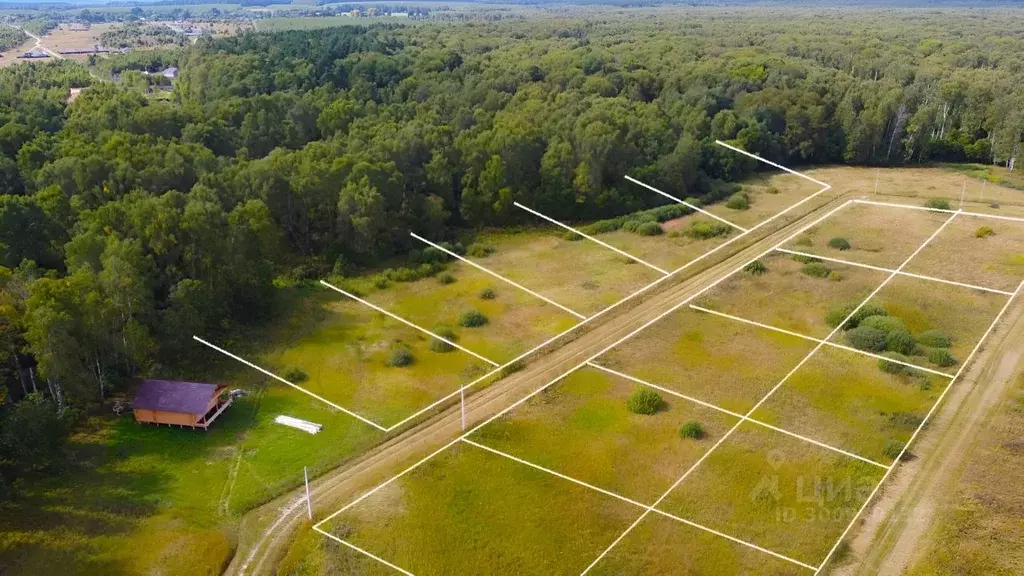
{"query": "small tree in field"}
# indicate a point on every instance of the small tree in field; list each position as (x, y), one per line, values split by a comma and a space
(840, 244)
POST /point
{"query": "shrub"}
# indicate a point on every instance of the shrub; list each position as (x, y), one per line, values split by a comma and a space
(431, 255)
(702, 230)
(649, 229)
(804, 240)
(864, 338)
(572, 236)
(513, 368)
(840, 244)
(905, 420)
(479, 250)
(893, 449)
(816, 270)
(984, 232)
(897, 337)
(755, 268)
(805, 259)
(892, 367)
(937, 204)
(645, 401)
(996, 206)
(771, 190)
(440, 345)
(738, 201)
(693, 201)
(692, 430)
(446, 278)
(400, 357)
(837, 313)
(934, 339)
(488, 294)
(835, 276)
(941, 357)
(295, 375)
(472, 319)
(380, 282)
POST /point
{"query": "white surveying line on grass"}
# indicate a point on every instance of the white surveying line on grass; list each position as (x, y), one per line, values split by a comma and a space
(819, 340)
(498, 276)
(687, 204)
(591, 238)
(304, 425)
(410, 324)
(283, 381)
(901, 272)
(770, 163)
(924, 422)
(943, 210)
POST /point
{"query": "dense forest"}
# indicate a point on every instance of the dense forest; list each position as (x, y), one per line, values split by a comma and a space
(129, 222)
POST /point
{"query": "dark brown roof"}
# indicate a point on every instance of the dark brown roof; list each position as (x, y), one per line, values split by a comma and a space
(173, 396)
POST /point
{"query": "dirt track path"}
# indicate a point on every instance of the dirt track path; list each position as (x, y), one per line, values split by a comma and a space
(892, 534)
(265, 533)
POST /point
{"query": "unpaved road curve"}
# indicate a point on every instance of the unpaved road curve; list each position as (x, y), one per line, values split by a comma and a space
(893, 534)
(265, 533)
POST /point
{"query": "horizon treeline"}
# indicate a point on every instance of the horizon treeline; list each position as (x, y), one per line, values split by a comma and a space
(129, 222)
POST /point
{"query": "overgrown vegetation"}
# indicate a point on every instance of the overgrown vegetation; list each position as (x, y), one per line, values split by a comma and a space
(755, 268)
(472, 319)
(840, 244)
(645, 401)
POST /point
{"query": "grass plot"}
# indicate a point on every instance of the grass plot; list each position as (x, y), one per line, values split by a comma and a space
(468, 511)
(775, 491)
(793, 295)
(661, 545)
(875, 235)
(578, 274)
(678, 244)
(982, 251)
(847, 401)
(717, 360)
(581, 427)
(512, 321)
(767, 195)
(360, 359)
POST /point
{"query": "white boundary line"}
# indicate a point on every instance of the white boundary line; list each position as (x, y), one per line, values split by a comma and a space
(496, 275)
(772, 391)
(738, 415)
(592, 239)
(687, 204)
(813, 339)
(297, 387)
(407, 323)
(635, 503)
(901, 272)
(736, 238)
(962, 212)
(920, 427)
(358, 549)
(770, 163)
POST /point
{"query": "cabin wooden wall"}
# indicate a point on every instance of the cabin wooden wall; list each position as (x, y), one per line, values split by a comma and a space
(162, 417)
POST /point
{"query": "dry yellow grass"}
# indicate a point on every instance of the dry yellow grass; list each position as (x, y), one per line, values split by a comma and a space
(963, 254)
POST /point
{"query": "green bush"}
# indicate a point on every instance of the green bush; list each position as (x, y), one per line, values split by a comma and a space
(400, 357)
(837, 313)
(835, 276)
(893, 449)
(805, 259)
(692, 430)
(984, 232)
(649, 229)
(703, 230)
(440, 345)
(738, 201)
(446, 278)
(572, 236)
(864, 338)
(941, 357)
(513, 368)
(816, 270)
(897, 337)
(892, 367)
(996, 206)
(295, 375)
(934, 339)
(840, 244)
(771, 190)
(380, 282)
(694, 201)
(937, 204)
(488, 294)
(478, 250)
(644, 401)
(472, 319)
(755, 268)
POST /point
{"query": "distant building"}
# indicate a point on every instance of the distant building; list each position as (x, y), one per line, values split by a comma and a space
(35, 53)
(97, 49)
(170, 73)
(400, 14)
(191, 404)
(371, 12)
(355, 13)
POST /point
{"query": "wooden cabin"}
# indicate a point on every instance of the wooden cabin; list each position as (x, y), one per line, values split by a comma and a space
(176, 403)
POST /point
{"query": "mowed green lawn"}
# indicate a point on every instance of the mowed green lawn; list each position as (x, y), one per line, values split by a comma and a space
(582, 428)
(718, 360)
(468, 511)
(775, 491)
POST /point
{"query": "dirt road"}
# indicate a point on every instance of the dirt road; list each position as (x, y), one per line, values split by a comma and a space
(266, 532)
(899, 522)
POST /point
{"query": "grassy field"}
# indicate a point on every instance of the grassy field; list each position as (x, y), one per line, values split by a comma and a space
(786, 297)
(775, 491)
(980, 530)
(582, 428)
(713, 359)
(468, 509)
(965, 252)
